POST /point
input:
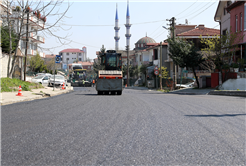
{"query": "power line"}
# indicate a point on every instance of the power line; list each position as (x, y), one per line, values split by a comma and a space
(193, 12)
(120, 24)
(201, 11)
(186, 8)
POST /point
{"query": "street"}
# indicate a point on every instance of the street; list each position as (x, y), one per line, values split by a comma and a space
(140, 127)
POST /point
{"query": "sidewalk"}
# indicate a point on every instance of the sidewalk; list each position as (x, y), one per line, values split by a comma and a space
(203, 91)
(10, 97)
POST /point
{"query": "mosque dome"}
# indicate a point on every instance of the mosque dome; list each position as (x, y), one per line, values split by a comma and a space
(141, 43)
(145, 40)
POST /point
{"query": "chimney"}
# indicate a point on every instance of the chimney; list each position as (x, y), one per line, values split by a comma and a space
(201, 26)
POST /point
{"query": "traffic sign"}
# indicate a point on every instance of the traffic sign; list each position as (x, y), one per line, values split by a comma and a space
(156, 68)
(156, 72)
(58, 59)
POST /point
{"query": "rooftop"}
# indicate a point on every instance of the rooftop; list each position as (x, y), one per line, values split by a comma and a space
(200, 30)
(72, 50)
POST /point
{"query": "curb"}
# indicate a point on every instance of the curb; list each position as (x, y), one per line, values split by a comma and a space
(228, 93)
(187, 93)
(38, 96)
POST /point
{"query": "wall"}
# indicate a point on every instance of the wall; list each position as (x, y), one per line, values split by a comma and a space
(234, 84)
(4, 64)
(225, 20)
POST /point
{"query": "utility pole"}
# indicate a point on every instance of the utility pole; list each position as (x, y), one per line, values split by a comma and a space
(160, 65)
(27, 39)
(172, 24)
(127, 51)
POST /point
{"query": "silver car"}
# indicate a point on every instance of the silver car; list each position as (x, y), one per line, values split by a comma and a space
(59, 80)
(42, 79)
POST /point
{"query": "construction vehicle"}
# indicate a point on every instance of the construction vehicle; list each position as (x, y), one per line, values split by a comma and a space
(110, 79)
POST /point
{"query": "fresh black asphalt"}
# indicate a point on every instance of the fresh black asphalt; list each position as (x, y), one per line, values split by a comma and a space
(140, 127)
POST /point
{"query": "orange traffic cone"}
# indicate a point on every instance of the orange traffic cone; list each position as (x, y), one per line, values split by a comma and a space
(19, 92)
(63, 85)
(126, 85)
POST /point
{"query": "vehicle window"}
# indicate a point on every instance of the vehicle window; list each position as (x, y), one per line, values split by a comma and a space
(46, 78)
(111, 61)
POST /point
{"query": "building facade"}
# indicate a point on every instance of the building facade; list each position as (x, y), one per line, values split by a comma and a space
(35, 24)
(237, 11)
(73, 55)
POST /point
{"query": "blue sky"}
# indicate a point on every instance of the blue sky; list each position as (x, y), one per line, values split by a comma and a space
(145, 17)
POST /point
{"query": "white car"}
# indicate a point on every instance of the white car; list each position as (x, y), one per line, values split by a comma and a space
(187, 85)
(59, 80)
(42, 79)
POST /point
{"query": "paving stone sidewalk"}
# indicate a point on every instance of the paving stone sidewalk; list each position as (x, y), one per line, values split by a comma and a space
(10, 97)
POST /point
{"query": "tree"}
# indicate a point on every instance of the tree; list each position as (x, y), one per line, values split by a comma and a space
(50, 64)
(184, 54)
(219, 51)
(143, 70)
(97, 64)
(36, 63)
(16, 21)
(163, 72)
(5, 43)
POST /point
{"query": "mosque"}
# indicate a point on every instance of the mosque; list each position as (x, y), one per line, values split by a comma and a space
(140, 46)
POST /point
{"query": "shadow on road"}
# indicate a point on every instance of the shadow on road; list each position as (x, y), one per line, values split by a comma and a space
(216, 115)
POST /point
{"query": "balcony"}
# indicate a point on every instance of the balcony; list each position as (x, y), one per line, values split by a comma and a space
(34, 21)
(32, 52)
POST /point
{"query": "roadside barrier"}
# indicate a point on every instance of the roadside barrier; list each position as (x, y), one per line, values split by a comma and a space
(19, 92)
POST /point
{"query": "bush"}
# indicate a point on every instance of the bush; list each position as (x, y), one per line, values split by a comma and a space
(9, 85)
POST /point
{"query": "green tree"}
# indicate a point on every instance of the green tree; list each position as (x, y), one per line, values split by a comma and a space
(143, 70)
(97, 64)
(5, 42)
(220, 50)
(184, 54)
(36, 63)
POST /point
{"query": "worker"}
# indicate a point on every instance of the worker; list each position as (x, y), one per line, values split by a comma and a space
(93, 82)
(83, 83)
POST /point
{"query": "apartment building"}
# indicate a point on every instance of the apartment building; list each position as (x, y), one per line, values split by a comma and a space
(36, 23)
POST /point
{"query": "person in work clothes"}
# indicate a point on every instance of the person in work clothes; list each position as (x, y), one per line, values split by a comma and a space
(93, 82)
(83, 83)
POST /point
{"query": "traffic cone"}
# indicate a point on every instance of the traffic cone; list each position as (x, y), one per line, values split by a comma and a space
(19, 92)
(63, 85)
(126, 85)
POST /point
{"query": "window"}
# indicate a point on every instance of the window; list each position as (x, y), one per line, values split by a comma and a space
(67, 53)
(60, 53)
(67, 59)
(241, 21)
(236, 23)
(79, 54)
(79, 59)
(224, 32)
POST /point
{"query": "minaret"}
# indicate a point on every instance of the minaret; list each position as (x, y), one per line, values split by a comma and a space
(128, 25)
(116, 28)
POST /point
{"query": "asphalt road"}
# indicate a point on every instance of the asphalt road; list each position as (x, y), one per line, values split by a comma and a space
(139, 127)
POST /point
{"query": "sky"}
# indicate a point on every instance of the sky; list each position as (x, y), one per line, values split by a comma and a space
(91, 23)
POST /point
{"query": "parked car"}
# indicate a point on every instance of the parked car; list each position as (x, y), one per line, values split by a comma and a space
(59, 80)
(42, 79)
(46, 74)
(187, 85)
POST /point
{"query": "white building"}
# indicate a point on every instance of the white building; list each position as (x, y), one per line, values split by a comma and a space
(35, 25)
(71, 55)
